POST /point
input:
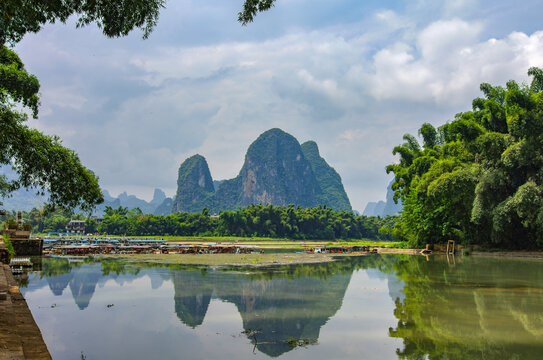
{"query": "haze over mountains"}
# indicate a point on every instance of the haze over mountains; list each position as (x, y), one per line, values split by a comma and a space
(384, 208)
(159, 205)
(25, 199)
(277, 170)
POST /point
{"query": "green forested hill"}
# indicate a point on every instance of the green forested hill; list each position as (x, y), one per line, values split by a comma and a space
(276, 171)
(332, 192)
(195, 188)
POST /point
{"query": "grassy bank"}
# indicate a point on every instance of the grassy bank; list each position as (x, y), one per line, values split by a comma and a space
(282, 243)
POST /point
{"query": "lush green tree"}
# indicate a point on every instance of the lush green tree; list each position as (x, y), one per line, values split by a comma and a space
(55, 223)
(319, 223)
(40, 160)
(116, 18)
(479, 178)
(253, 7)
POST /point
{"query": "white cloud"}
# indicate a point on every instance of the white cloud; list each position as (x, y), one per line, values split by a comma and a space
(351, 135)
(353, 88)
(445, 37)
(452, 63)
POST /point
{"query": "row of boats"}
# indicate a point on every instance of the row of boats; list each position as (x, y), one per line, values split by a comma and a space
(90, 246)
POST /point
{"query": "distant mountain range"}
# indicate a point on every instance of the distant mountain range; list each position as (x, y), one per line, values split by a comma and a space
(25, 200)
(22, 199)
(277, 170)
(384, 208)
(159, 205)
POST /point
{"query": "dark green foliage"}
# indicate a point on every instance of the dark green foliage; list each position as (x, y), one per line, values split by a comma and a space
(114, 17)
(332, 192)
(40, 161)
(479, 179)
(251, 8)
(318, 223)
(17, 84)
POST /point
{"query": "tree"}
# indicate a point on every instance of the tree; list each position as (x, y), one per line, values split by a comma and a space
(479, 178)
(115, 17)
(40, 160)
(251, 8)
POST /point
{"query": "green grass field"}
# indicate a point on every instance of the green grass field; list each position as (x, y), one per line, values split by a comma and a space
(270, 242)
(282, 242)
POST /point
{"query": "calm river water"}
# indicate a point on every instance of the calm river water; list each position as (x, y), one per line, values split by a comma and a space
(371, 307)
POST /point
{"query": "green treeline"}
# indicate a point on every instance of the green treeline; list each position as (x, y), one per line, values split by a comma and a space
(255, 220)
(318, 223)
(479, 178)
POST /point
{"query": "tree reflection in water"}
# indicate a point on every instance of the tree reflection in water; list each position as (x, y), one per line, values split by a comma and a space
(480, 308)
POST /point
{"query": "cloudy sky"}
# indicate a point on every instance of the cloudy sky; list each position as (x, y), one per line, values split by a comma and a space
(353, 75)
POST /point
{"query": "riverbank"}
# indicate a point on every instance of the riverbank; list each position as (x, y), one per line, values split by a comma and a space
(20, 337)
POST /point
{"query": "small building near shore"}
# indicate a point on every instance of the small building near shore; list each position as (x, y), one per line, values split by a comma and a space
(76, 226)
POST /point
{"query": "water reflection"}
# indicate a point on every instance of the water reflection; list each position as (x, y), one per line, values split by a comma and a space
(192, 296)
(272, 310)
(472, 308)
(480, 308)
(275, 304)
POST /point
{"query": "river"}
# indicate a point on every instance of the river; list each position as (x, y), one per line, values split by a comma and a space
(367, 307)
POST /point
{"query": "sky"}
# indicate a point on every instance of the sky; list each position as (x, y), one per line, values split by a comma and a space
(352, 75)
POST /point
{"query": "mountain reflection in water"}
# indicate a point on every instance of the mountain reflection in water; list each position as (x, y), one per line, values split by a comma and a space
(472, 308)
(276, 309)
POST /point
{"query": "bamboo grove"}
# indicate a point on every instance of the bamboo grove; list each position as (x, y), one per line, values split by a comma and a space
(479, 178)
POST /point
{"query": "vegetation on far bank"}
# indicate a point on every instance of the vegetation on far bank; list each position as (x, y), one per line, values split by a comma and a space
(263, 222)
(479, 178)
